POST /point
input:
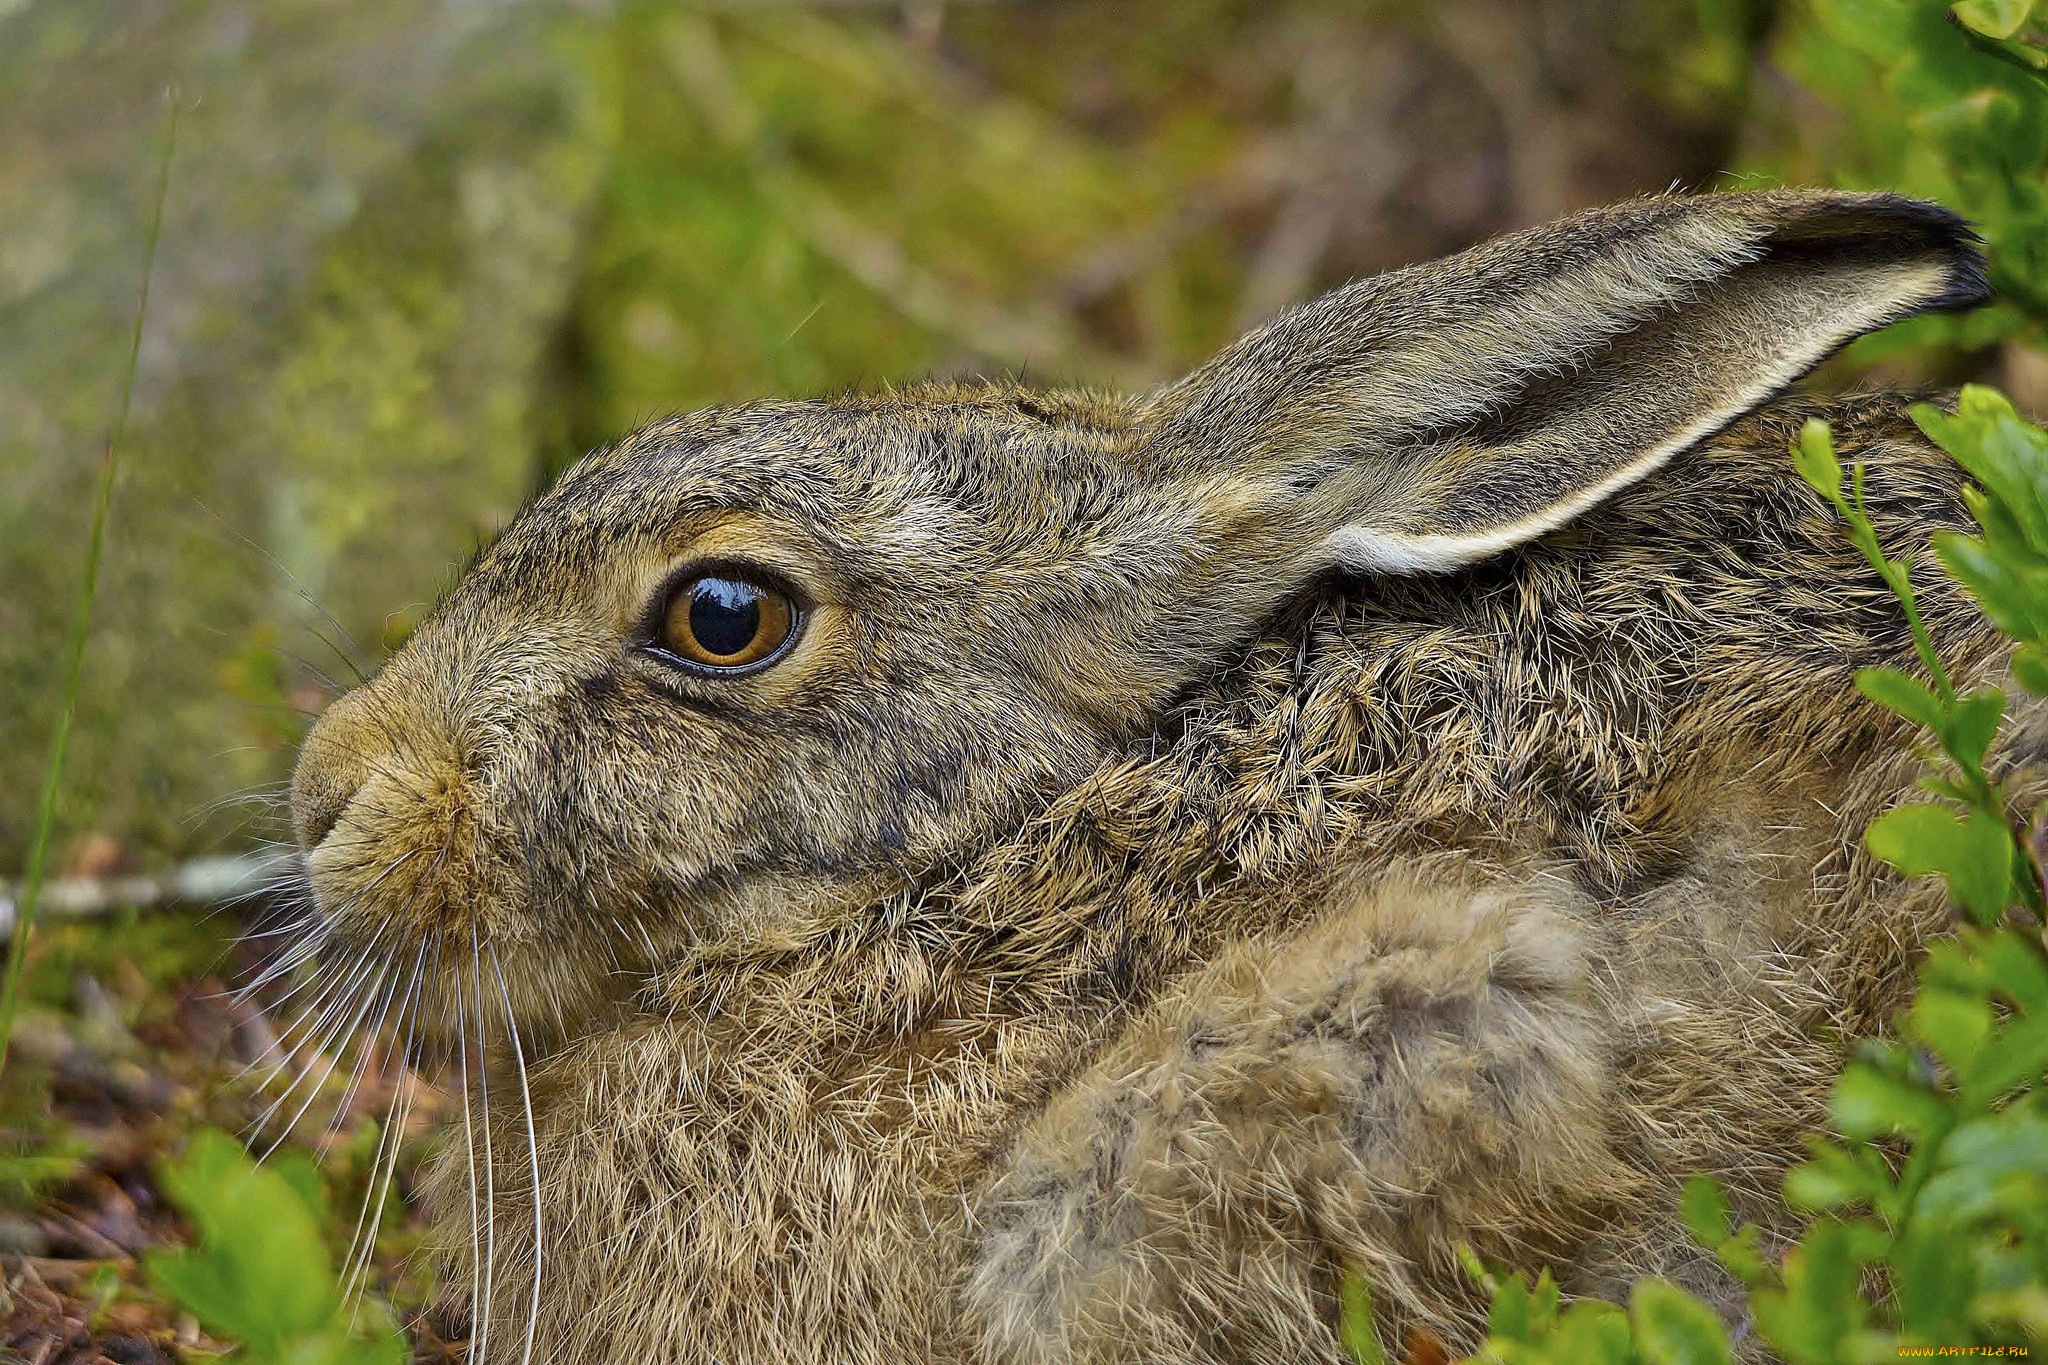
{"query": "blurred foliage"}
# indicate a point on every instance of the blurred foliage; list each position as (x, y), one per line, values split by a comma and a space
(799, 201)
(260, 1274)
(370, 236)
(1908, 95)
(131, 1046)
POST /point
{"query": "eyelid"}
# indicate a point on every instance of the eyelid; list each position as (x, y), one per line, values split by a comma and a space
(648, 638)
(767, 575)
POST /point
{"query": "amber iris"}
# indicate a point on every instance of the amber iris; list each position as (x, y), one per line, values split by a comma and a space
(725, 622)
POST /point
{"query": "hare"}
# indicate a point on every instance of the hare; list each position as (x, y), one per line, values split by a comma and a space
(974, 874)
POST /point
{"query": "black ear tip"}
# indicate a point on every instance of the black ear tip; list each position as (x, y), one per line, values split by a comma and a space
(1969, 281)
(1910, 227)
(1941, 229)
(1937, 222)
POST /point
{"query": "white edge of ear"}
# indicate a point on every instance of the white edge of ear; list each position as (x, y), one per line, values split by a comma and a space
(1384, 550)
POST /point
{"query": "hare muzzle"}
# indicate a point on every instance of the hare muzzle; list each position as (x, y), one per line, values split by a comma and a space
(407, 801)
(387, 820)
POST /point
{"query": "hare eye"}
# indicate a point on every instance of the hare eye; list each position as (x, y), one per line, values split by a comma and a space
(727, 623)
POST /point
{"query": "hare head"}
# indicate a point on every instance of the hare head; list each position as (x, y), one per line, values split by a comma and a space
(812, 649)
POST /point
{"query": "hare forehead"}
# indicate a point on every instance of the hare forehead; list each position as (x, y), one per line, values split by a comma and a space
(871, 488)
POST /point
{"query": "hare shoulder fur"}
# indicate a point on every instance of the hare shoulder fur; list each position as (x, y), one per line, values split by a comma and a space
(972, 874)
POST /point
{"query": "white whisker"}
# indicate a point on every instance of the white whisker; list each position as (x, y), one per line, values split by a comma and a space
(293, 1036)
(532, 1153)
(335, 1049)
(476, 1268)
(372, 1213)
(325, 1031)
(365, 1053)
(481, 1337)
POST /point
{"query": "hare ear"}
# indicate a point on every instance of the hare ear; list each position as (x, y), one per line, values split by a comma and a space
(1424, 419)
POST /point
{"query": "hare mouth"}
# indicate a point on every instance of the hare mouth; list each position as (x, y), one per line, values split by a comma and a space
(409, 907)
(408, 865)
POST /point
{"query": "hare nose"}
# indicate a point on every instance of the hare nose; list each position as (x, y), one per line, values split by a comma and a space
(337, 757)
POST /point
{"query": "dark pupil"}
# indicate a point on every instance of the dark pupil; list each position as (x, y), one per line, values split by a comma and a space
(724, 616)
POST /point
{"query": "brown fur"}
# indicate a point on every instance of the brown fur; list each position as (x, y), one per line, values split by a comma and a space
(1116, 916)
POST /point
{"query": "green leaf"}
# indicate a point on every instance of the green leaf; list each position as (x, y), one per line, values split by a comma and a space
(1743, 1254)
(1917, 840)
(1508, 1318)
(2007, 456)
(1355, 1323)
(1973, 724)
(2015, 597)
(2016, 1053)
(1819, 1305)
(1934, 1285)
(207, 1288)
(1813, 455)
(1947, 965)
(1952, 1024)
(1674, 1328)
(1958, 1197)
(1907, 696)
(1975, 854)
(1936, 785)
(261, 1273)
(1993, 18)
(1866, 1103)
(1879, 29)
(2008, 1141)
(1543, 1301)
(2004, 539)
(302, 1173)
(1835, 1176)
(2016, 969)
(336, 1347)
(1591, 1332)
(1705, 1208)
(2030, 666)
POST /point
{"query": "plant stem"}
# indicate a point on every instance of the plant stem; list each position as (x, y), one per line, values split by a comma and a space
(81, 623)
(2013, 54)
(1896, 577)
(1983, 794)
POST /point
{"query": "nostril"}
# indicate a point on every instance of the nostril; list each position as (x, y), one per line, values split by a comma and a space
(319, 815)
(333, 764)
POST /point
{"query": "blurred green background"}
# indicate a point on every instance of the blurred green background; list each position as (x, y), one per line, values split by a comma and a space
(417, 256)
